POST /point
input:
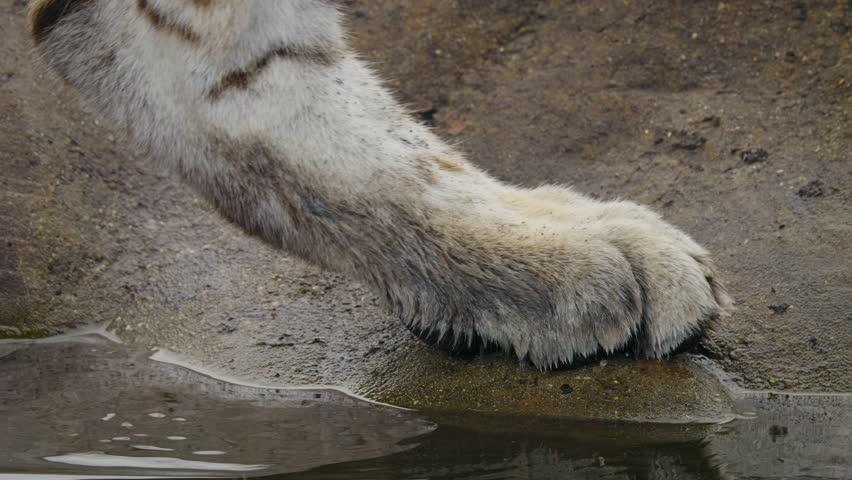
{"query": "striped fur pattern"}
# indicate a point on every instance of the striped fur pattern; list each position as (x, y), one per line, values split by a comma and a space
(260, 107)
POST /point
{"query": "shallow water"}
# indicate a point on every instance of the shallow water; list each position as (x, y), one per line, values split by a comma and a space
(84, 407)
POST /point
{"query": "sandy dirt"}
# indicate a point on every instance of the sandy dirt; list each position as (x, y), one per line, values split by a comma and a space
(730, 118)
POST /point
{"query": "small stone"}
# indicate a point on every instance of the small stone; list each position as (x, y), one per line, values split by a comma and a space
(812, 190)
(227, 328)
(754, 155)
(712, 120)
(688, 141)
(840, 27)
(780, 308)
(566, 389)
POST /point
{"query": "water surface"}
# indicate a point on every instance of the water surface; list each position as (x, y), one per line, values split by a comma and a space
(85, 407)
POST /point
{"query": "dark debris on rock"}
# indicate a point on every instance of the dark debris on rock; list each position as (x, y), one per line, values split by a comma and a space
(754, 155)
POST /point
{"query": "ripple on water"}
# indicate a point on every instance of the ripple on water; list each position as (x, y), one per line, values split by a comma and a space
(151, 448)
(157, 463)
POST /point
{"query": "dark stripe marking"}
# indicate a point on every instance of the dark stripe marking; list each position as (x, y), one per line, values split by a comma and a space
(241, 79)
(157, 20)
(45, 15)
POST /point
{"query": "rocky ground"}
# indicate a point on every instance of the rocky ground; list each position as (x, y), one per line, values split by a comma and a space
(730, 118)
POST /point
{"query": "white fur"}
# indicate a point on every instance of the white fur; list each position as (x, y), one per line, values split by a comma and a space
(610, 273)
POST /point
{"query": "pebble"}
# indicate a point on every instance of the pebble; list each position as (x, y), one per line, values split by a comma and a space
(780, 308)
(811, 190)
(754, 155)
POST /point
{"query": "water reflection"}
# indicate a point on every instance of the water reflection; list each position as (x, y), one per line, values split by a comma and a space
(85, 407)
(515, 448)
(91, 407)
(788, 436)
